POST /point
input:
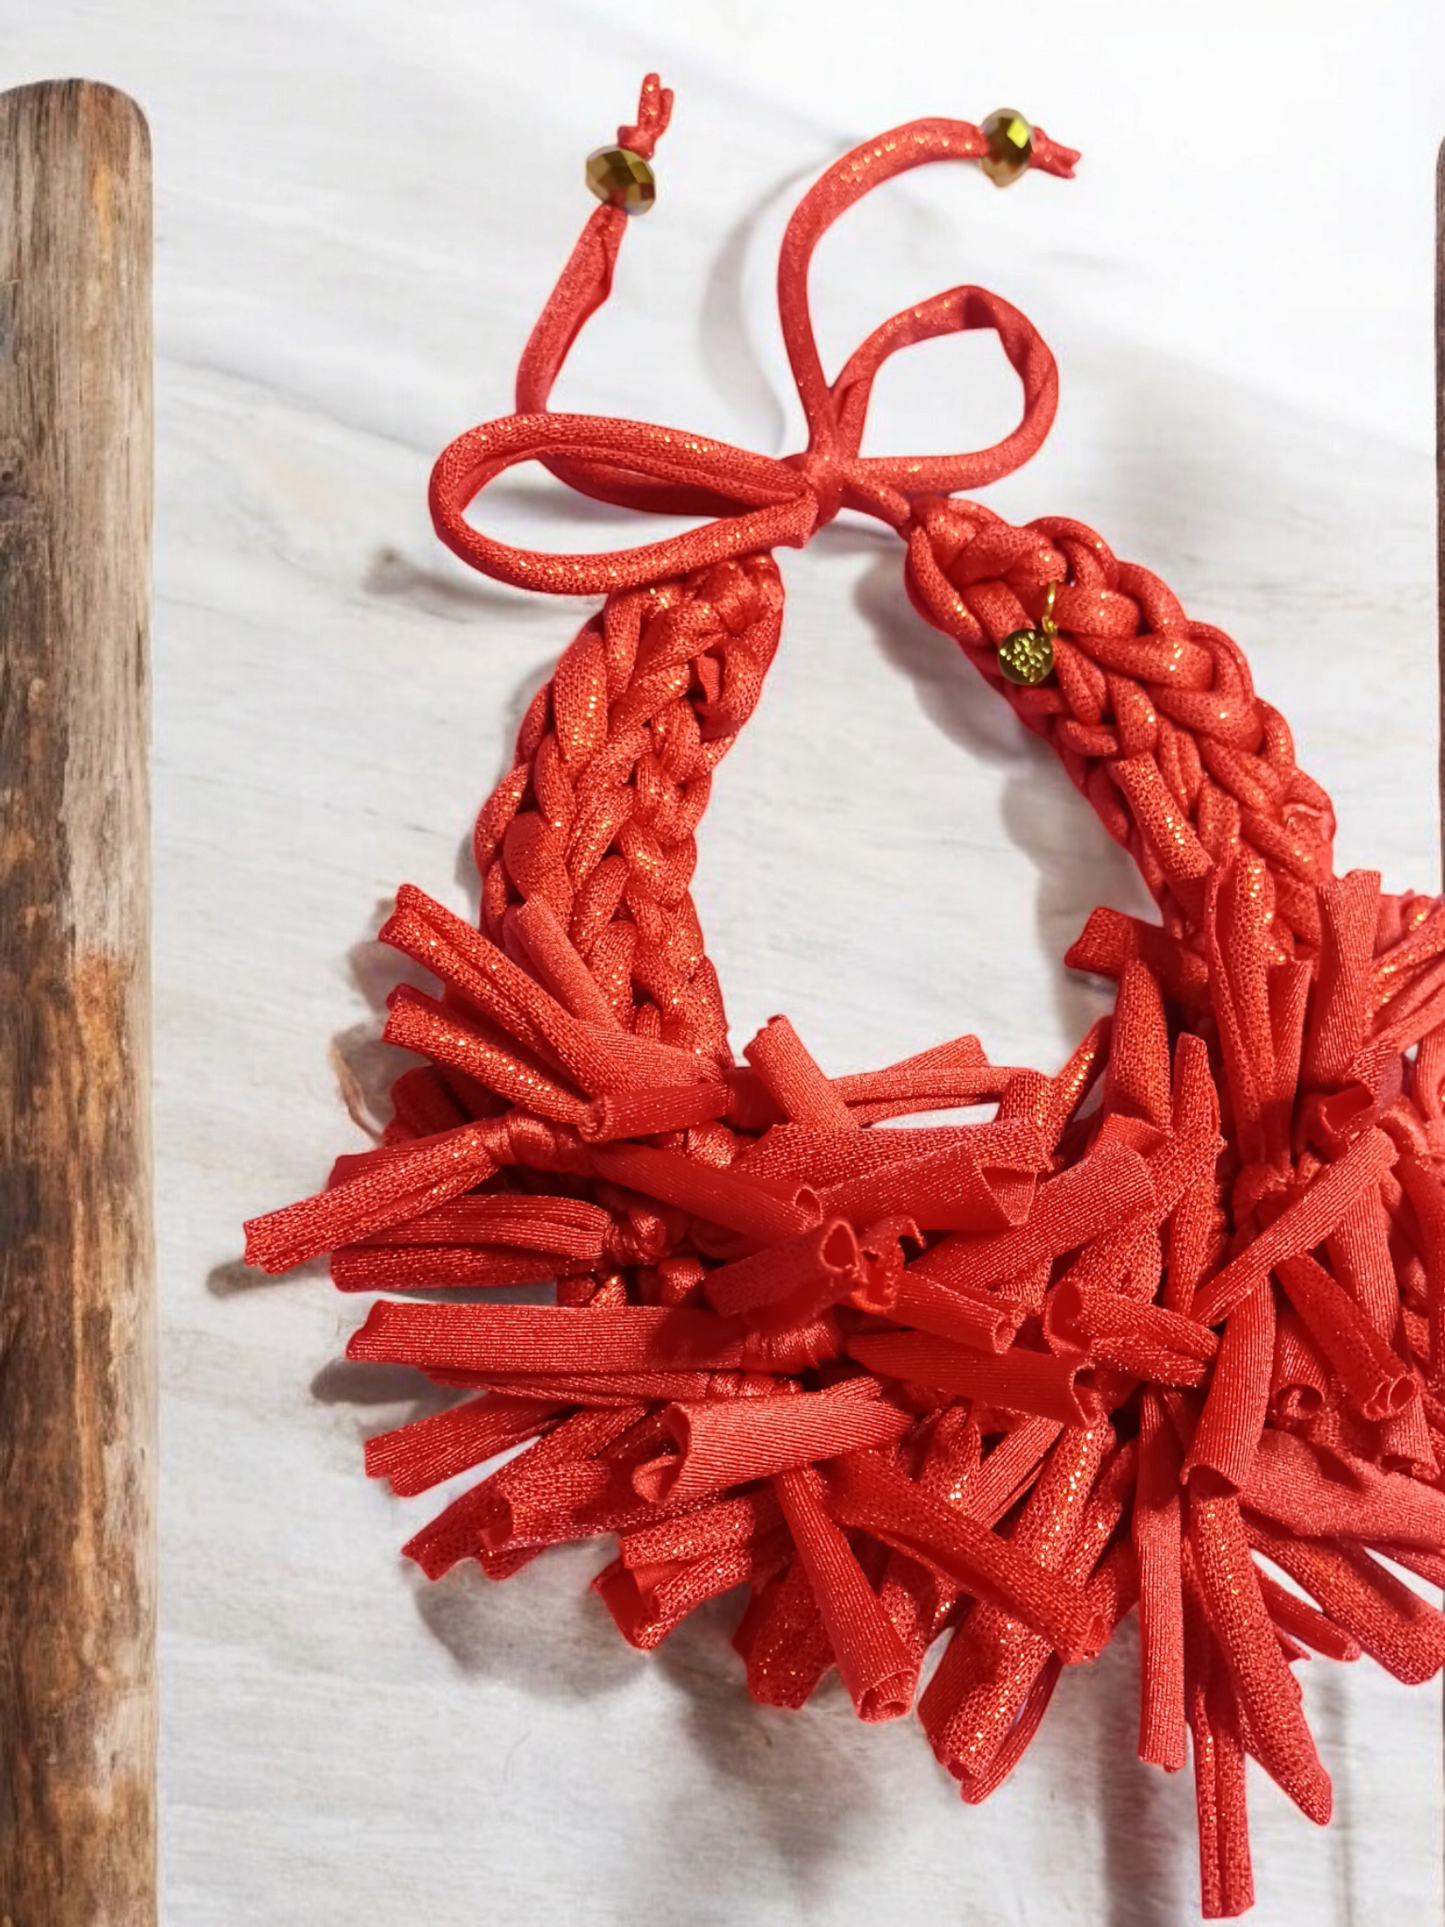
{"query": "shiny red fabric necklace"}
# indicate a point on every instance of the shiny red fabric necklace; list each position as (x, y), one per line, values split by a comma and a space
(1167, 1329)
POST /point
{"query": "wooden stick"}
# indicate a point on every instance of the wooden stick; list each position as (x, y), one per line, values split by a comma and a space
(77, 1356)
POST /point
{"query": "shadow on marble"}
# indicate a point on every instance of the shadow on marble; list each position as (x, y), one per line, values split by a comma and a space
(730, 355)
(1143, 1813)
(464, 870)
(1332, 1700)
(393, 577)
(1077, 865)
(813, 1784)
(365, 1066)
(464, 875)
(406, 1393)
(234, 1276)
(558, 1644)
(449, 591)
(376, 969)
(348, 1381)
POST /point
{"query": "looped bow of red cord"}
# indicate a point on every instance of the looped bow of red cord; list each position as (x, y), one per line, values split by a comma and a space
(1168, 1330)
(762, 503)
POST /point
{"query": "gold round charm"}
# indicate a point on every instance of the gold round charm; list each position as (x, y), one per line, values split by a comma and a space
(1027, 656)
(622, 179)
(1010, 146)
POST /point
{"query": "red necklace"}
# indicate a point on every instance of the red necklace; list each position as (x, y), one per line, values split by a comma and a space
(1177, 1308)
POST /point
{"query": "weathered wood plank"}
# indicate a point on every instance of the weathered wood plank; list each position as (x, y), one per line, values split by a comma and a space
(77, 1379)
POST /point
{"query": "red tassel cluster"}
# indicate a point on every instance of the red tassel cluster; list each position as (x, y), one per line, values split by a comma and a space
(1167, 1330)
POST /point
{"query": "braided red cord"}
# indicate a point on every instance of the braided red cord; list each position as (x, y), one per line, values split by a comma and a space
(1178, 1307)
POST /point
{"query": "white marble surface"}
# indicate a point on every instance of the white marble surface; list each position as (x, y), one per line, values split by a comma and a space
(360, 207)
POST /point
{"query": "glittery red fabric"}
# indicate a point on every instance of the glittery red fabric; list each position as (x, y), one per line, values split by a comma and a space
(1174, 1311)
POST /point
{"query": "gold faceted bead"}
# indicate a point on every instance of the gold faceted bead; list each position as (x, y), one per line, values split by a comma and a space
(1027, 657)
(622, 179)
(1010, 146)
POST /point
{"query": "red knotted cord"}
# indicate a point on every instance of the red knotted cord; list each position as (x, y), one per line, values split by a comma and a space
(1174, 1311)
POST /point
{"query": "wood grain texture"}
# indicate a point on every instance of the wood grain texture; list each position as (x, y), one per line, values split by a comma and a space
(77, 1386)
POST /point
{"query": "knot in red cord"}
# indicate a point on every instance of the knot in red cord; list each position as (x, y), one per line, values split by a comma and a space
(825, 480)
(654, 111)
